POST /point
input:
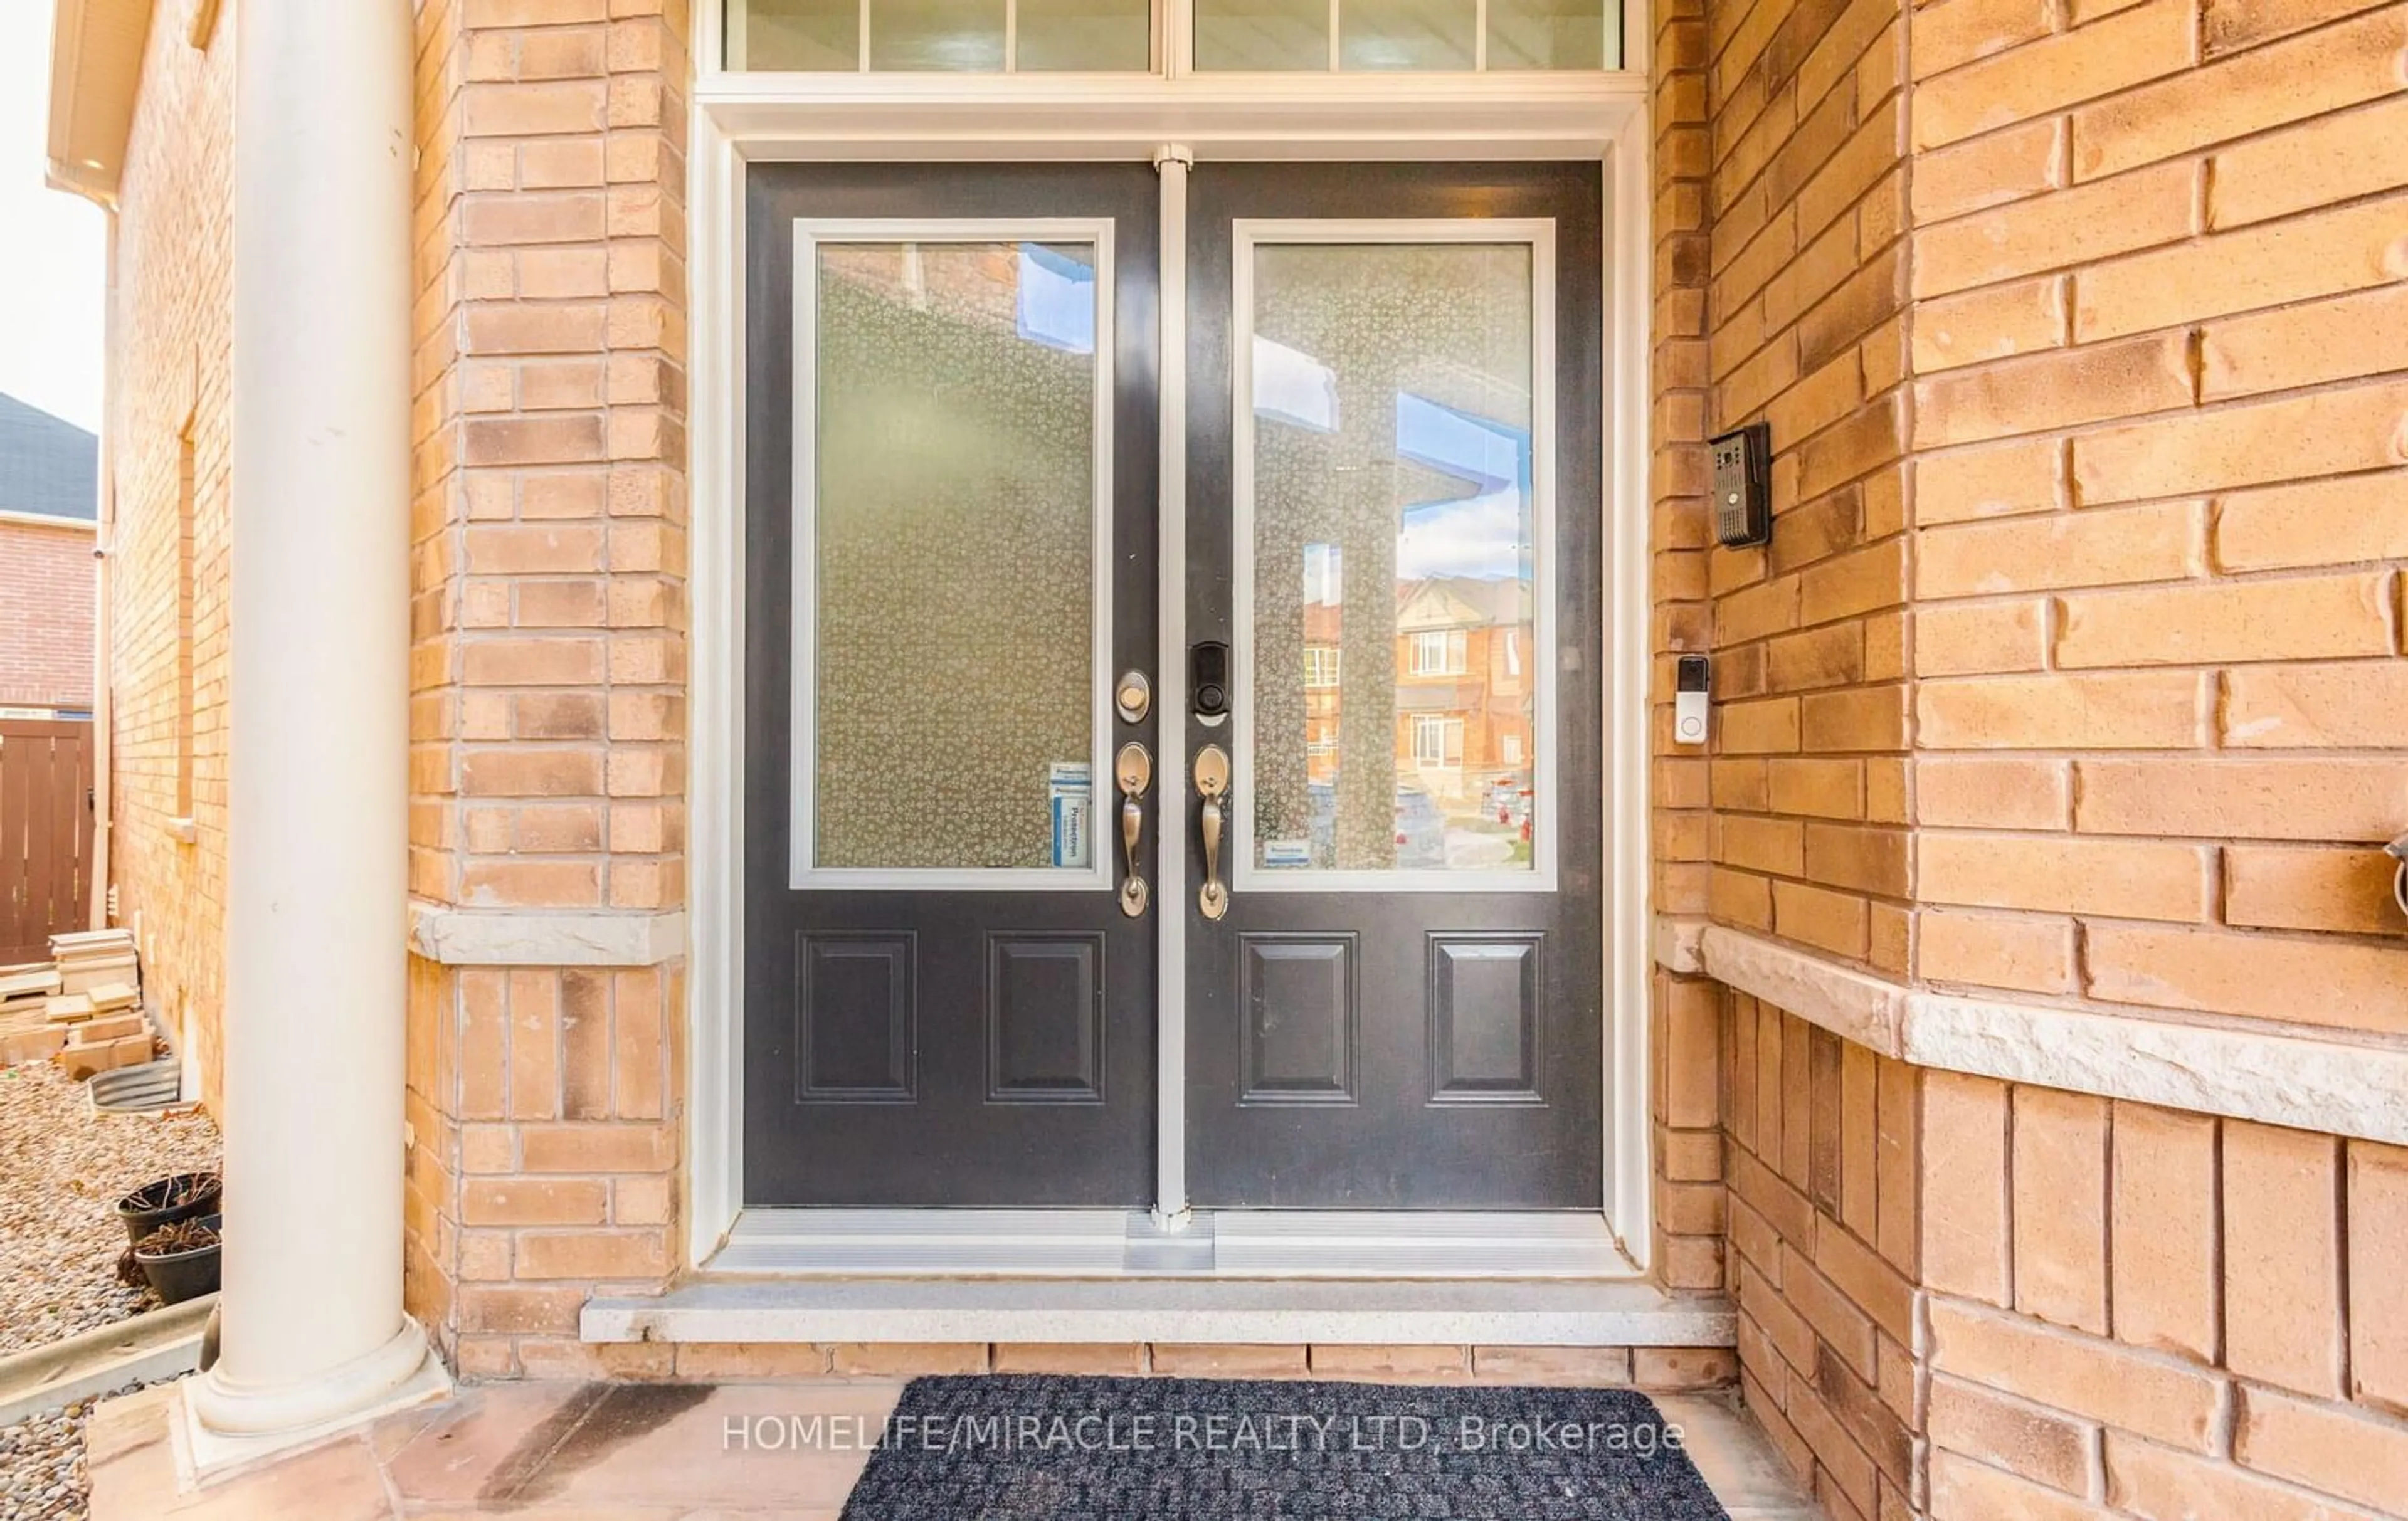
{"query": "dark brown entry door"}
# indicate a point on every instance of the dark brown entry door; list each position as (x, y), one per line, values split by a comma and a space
(950, 553)
(1394, 517)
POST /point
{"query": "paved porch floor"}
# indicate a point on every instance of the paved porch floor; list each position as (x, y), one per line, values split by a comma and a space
(659, 1452)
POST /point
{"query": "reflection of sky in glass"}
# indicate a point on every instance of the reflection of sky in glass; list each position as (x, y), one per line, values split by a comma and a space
(1058, 299)
(1484, 534)
(1293, 387)
(1325, 583)
(1490, 456)
(1483, 537)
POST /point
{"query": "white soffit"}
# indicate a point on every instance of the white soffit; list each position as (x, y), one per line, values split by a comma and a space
(95, 70)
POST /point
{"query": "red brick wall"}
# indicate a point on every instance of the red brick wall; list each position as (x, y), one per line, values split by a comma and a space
(1972, 1299)
(1804, 305)
(1687, 1041)
(1780, 218)
(2123, 336)
(2158, 1312)
(2159, 417)
(1684, 1016)
(548, 716)
(2115, 469)
(168, 376)
(46, 614)
(1824, 1141)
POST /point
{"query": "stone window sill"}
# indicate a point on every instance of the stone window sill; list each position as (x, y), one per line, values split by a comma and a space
(458, 937)
(2331, 1086)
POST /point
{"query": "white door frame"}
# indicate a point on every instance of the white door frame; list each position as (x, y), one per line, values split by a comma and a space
(744, 118)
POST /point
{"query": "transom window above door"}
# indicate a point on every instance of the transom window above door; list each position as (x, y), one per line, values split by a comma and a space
(1133, 36)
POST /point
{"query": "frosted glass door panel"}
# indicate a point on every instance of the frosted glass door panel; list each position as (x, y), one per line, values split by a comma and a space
(954, 536)
(1394, 719)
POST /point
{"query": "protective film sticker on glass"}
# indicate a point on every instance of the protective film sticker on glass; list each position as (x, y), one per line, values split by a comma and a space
(1071, 791)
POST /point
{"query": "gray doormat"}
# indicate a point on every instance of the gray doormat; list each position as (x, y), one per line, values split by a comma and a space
(1004, 1447)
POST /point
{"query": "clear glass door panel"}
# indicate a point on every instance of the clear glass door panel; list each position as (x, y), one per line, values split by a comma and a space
(1093, 37)
(1409, 35)
(960, 37)
(1261, 36)
(1395, 715)
(1118, 36)
(1553, 34)
(797, 36)
(952, 536)
(1432, 35)
(945, 36)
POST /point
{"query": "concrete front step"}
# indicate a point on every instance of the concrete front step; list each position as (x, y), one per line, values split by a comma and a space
(1462, 1312)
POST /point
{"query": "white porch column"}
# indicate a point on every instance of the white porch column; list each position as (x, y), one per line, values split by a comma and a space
(312, 1323)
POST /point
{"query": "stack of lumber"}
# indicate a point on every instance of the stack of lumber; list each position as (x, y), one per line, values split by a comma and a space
(25, 993)
(83, 1010)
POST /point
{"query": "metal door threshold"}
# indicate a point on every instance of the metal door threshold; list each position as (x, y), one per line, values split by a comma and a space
(1210, 1244)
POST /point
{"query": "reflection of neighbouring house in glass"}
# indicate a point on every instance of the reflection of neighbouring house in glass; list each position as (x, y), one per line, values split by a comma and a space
(1045, 292)
(1323, 586)
(1464, 612)
(1464, 687)
(1464, 713)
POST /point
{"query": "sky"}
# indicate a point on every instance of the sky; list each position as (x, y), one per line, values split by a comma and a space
(51, 244)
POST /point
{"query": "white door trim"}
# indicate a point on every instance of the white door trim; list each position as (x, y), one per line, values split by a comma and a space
(1170, 680)
(739, 119)
(1629, 674)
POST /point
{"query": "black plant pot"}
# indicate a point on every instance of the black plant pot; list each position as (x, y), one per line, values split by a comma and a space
(144, 1210)
(178, 1276)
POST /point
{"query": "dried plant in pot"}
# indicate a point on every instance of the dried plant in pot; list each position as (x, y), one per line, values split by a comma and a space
(181, 1258)
(183, 1196)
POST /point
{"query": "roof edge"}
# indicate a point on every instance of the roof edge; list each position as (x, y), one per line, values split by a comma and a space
(95, 72)
(11, 518)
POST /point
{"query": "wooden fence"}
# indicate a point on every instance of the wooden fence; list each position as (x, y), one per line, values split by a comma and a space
(45, 833)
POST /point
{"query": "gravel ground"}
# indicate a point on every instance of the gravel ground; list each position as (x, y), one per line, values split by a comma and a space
(61, 1171)
(41, 1464)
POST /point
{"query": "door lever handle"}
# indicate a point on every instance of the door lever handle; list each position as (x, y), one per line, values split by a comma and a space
(1213, 785)
(1134, 771)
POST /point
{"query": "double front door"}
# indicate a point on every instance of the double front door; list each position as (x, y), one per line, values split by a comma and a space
(1265, 796)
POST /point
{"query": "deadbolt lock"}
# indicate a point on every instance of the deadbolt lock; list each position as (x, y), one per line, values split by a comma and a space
(1132, 697)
